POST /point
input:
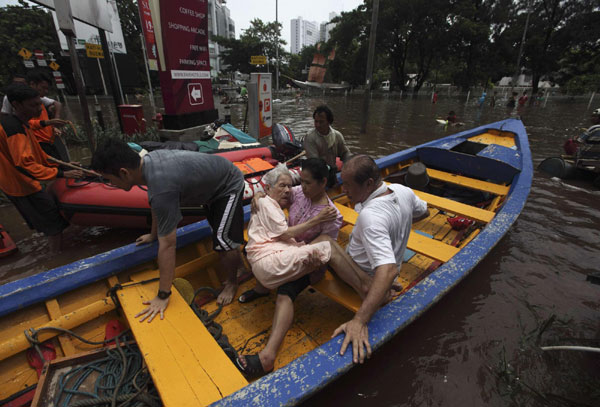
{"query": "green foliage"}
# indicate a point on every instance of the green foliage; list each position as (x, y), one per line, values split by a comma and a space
(75, 135)
(260, 39)
(24, 26)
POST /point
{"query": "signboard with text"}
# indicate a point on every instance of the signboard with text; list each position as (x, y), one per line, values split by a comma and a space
(258, 60)
(94, 50)
(185, 69)
(148, 29)
(260, 111)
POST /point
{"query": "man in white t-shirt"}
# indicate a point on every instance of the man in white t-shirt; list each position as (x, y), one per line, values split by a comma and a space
(378, 240)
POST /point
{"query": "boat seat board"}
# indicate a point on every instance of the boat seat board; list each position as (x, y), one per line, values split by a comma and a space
(503, 139)
(187, 365)
(418, 243)
(468, 182)
(457, 208)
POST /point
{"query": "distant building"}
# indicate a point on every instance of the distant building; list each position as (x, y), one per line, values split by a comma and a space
(221, 24)
(304, 33)
(326, 27)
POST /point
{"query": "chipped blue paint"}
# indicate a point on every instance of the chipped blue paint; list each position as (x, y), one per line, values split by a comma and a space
(51, 283)
(313, 371)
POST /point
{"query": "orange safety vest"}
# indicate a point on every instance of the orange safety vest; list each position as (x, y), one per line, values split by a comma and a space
(23, 163)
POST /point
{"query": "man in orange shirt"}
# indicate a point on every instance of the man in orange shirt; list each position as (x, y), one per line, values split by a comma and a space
(23, 165)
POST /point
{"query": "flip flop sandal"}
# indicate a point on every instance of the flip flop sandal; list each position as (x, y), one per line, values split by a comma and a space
(251, 295)
(253, 368)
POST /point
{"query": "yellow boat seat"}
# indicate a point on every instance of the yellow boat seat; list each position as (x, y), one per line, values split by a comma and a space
(340, 292)
(467, 182)
(187, 365)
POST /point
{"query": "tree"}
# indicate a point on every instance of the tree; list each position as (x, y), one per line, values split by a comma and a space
(24, 26)
(130, 24)
(260, 39)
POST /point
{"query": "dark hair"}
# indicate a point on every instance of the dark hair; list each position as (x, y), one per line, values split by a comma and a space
(18, 76)
(451, 113)
(326, 110)
(19, 92)
(38, 76)
(364, 168)
(113, 155)
(317, 167)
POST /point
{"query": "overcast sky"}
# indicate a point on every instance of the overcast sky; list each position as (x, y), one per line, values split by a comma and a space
(243, 11)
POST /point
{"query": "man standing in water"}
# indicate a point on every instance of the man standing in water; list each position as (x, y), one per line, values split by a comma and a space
(24, 166)
(378, 241)
(325, 142)
(174, 179)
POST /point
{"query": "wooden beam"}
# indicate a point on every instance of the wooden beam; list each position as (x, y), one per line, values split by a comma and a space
(187, 365)
(457, 208)
(54, 312)
(467, 182)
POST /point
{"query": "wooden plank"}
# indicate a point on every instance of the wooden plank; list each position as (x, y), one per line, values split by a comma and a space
(55, 313)
(448, 205)
(187, 365)
(430, 247)
(340, 292)
(420, 244)
(502, 139)
(468, 182)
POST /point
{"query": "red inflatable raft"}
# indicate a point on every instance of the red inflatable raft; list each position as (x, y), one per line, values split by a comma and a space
(92, 203)
(7, 246)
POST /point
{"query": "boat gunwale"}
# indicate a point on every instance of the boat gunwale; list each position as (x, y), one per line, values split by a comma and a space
(314, 370)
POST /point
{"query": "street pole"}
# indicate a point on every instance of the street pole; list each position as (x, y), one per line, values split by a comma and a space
(371, 55)
(85, 110)
(516, 77)
(112, 81)
(148, 75)
(277, 48)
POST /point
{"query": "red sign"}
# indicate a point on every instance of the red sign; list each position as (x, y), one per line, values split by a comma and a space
(39, 55)
(148, 28)
(185, 77)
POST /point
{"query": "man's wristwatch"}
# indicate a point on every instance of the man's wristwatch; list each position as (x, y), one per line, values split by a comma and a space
(163, 295)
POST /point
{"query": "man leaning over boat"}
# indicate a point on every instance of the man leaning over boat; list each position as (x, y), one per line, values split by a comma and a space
(180, 178)
(377, 242)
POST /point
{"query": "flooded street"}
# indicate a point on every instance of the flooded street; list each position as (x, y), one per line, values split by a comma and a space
(480, 345)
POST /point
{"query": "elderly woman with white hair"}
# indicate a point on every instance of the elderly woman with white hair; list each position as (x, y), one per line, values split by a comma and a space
(280, 262)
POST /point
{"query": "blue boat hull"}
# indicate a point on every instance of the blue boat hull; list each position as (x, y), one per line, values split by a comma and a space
(314, 370)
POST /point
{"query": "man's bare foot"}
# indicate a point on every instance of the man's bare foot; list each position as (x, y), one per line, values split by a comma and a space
(228, 293)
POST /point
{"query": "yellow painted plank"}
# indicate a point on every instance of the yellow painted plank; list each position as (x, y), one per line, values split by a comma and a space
(420, 244)
(468, 182)
(55, 313)
(457, 208)
(187, 365)
(430, 247)
(502, 139)
(349, 214)
(340, 292)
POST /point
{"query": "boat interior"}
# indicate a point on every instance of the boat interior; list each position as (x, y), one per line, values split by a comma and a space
(183, 357)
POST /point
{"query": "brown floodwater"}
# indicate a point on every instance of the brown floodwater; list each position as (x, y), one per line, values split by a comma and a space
(480, 345)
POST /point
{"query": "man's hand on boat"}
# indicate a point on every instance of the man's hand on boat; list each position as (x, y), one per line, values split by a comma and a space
(143, 239)
(357, 334)
(156, 306)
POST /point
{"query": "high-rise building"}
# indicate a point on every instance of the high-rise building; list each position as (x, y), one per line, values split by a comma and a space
(304, 33)
(221, 24)
(326, 27)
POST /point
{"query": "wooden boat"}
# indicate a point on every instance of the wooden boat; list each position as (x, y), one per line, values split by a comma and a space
(189, 368)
